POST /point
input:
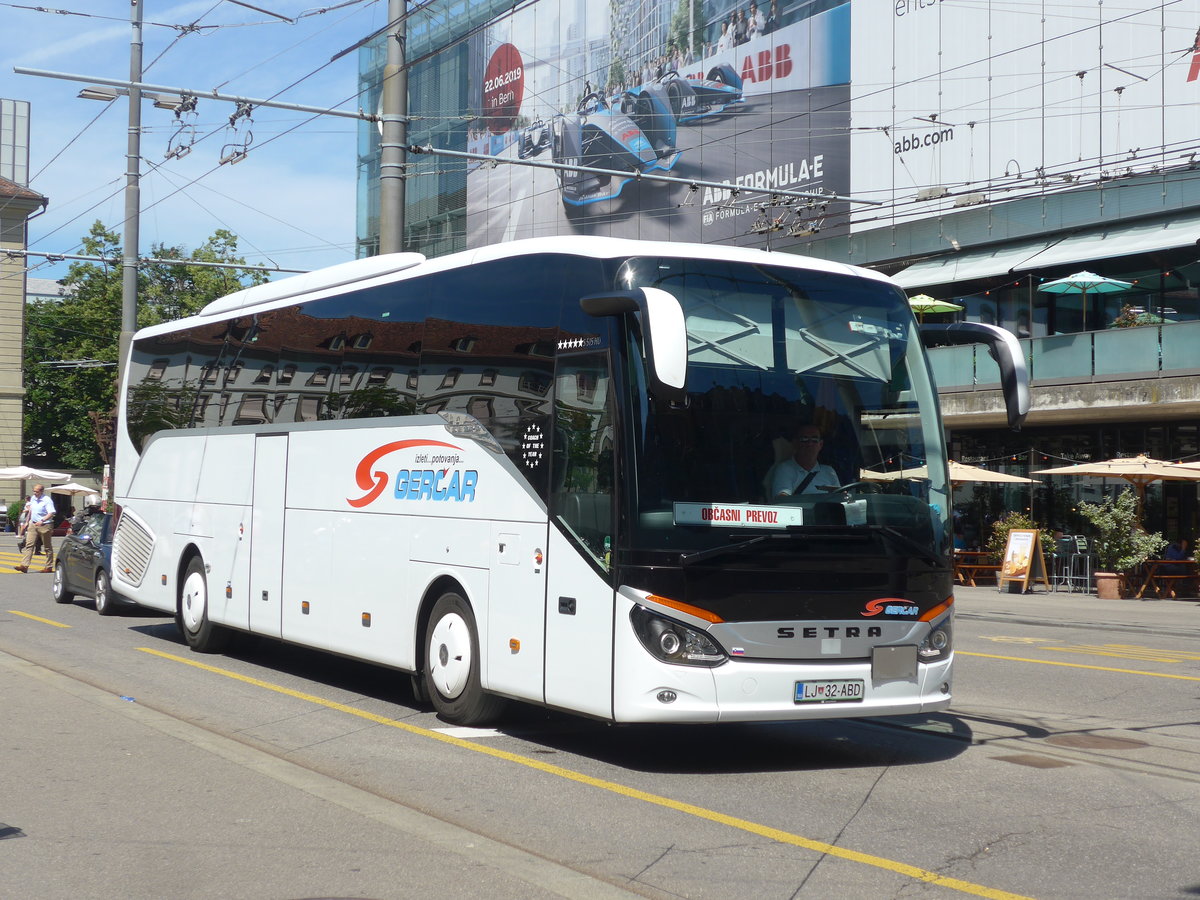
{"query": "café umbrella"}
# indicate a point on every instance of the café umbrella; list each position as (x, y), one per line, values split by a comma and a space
(923, 303)
(25, 473)
(1084, 283)
(1138, 470)
(73, 488)
(960, 473)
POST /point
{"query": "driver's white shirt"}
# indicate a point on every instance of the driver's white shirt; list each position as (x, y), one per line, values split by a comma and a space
(789, 474)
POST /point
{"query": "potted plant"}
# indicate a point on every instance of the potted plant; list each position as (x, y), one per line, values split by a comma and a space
(1121, 544)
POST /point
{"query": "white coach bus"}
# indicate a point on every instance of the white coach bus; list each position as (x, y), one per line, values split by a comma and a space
(548, 471)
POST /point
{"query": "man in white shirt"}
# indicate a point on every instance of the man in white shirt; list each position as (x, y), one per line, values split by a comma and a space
(801, 473)
(41, 525)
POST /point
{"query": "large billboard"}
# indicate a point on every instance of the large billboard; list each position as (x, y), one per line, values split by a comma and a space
(957, 103)
(744, 97)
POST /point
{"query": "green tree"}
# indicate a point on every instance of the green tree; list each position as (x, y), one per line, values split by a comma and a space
(687, 25)
(71, 344)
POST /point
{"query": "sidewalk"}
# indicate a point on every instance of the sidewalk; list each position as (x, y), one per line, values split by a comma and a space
(1175, 617)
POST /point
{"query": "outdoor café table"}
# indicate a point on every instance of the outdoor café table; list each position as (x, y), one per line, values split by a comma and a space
(968, 564)
(1162, 574)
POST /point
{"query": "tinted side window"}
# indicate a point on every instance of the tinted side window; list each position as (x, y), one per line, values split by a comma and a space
(493, 332)
(358, 349)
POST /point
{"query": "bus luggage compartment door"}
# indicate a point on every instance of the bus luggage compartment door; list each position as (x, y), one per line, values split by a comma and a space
(516, 627)
(266, 534)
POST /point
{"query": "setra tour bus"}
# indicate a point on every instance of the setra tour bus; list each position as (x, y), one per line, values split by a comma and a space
(550, 471)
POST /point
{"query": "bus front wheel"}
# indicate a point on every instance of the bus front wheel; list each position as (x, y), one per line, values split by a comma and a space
(192, 612)
(452, 665)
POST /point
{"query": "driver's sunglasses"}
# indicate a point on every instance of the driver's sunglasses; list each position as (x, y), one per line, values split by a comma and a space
(808, 440)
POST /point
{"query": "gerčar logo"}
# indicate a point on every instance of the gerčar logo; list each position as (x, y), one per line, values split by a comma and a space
(891, 606)
(436, 484)
(441, 484)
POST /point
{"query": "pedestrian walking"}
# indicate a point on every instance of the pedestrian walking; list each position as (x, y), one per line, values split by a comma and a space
(40, 526)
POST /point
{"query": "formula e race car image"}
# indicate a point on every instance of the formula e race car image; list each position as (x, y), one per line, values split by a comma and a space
(602, 136)
(693, 98)
(533, 139)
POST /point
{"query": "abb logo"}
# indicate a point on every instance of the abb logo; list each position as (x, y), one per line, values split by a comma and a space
(768, 64)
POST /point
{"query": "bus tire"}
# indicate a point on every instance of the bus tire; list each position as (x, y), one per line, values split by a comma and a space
(452, 665)
(192, 611)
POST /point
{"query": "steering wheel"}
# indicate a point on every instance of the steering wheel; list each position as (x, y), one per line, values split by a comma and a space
(860, 487)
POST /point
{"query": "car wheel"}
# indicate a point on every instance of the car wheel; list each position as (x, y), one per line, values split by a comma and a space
(59, 587)
(104, 601)
(192, 612)
(452, 665)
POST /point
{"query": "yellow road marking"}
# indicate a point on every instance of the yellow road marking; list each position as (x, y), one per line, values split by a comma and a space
(1129, 652)
(700, 812)
(17, 612)
(1054, 662)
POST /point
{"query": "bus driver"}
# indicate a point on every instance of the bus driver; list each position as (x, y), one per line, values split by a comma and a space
(801, 473)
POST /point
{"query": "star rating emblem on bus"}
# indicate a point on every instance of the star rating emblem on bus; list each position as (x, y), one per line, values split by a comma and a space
(579, 343)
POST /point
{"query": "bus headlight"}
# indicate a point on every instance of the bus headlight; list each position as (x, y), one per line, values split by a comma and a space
(674, 642)
(938, 642)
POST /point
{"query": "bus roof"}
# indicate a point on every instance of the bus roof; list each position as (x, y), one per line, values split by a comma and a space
(379, 268)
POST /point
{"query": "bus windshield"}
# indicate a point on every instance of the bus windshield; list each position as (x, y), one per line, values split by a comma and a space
(786, 366)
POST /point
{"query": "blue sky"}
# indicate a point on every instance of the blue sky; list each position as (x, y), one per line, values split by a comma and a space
(291, 201)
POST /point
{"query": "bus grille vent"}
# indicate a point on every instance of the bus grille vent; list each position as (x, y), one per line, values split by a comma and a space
(132, 546)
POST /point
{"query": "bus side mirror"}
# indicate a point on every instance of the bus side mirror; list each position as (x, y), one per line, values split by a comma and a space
(663, 330)
(1003, 348)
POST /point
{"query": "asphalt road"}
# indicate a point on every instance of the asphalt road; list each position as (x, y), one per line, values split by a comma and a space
(134, 768)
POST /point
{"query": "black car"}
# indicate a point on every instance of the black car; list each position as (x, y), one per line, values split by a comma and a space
(84, 564)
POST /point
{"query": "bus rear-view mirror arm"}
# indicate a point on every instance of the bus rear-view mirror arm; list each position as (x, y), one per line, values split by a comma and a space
(1003, 347)
(663, 330)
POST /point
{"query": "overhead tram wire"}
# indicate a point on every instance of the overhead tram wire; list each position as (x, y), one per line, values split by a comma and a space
(182, 30)
(218, 131)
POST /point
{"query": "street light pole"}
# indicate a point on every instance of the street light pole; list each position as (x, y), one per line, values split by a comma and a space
(394, 104)
(133, 195)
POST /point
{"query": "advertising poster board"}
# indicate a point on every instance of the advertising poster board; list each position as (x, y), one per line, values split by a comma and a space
(608, 87)
(1023, 561)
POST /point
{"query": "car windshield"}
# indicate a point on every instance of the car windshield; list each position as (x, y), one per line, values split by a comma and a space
(790, 372)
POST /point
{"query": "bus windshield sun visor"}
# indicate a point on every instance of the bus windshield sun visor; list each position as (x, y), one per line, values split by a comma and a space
(663, 329)
(1003, 348)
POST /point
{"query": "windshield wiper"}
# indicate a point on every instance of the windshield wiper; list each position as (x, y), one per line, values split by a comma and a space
(914, 545)
(803, 532)
(687, 559)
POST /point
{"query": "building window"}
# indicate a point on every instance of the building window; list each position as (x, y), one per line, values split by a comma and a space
(286, 374)
(264, 375)
(450, 379)
(534, 383)
(320, 378)
(488, 378)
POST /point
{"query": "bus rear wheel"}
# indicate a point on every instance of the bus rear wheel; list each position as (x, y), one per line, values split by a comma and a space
(192, 612)
(452, 665)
